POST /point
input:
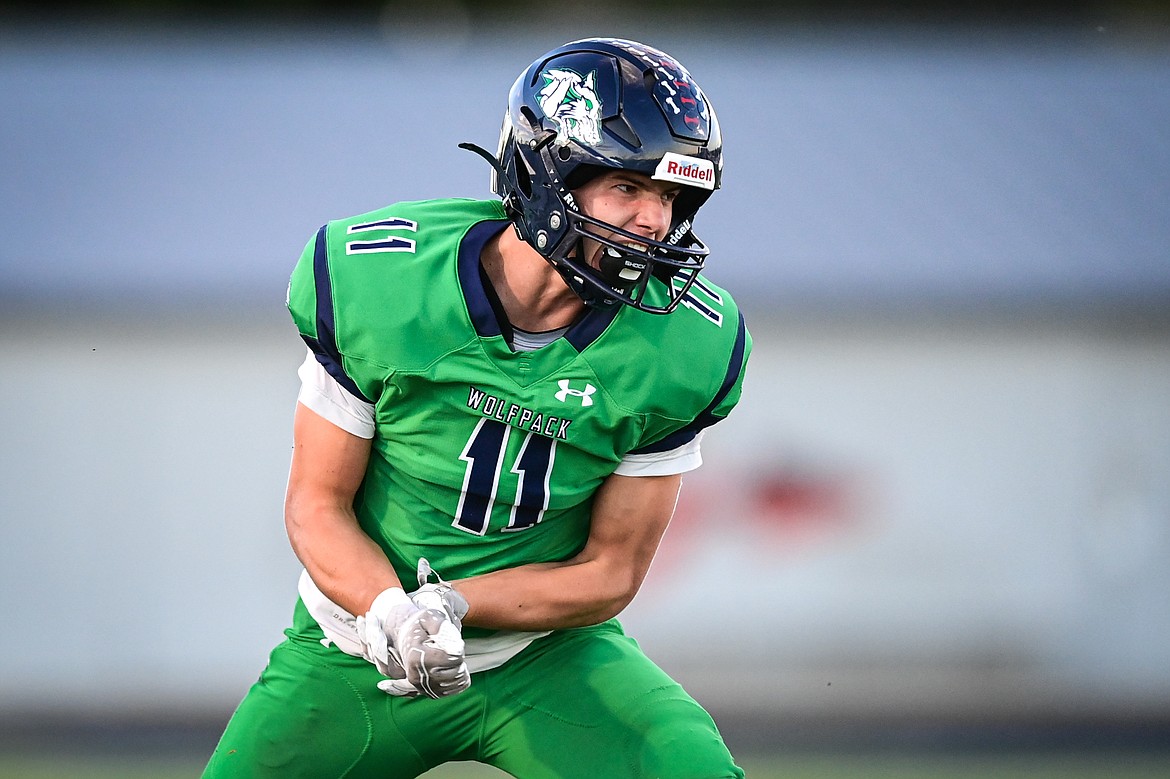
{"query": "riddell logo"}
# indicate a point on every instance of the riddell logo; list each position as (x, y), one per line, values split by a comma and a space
(690, 171)
(686, 170)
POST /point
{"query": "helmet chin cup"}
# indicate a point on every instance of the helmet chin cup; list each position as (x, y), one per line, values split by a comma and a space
(621, 269)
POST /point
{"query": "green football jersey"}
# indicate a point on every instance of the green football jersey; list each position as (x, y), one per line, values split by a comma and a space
(485, 457)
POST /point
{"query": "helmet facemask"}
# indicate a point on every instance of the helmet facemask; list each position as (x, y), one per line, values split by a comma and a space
(624, 272)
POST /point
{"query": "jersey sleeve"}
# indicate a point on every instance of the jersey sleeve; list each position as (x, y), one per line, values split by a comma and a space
(732, 387)
(326, 398)
(724, 400)
(310, 302)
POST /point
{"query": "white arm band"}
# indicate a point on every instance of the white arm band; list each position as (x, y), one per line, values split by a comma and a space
(324, 396)
(685, 458)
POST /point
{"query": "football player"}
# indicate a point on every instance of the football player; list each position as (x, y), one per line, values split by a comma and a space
(497, 407)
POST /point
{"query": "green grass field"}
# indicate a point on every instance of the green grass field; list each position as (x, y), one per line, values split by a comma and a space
(798, 766)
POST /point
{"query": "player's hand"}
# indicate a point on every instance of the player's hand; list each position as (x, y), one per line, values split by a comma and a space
(441, 596)
(420, 649)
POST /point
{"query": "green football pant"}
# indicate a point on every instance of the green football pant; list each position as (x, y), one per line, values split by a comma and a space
(579, 703)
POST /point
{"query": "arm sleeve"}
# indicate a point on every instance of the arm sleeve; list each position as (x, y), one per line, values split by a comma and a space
(679, 460)
(323, 395)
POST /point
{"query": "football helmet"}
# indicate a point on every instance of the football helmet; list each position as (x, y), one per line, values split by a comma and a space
(607, 104)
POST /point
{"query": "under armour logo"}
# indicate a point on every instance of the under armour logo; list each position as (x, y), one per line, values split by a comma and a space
(584, 395)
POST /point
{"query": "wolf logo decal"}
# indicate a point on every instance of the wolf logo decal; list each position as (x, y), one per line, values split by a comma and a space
(570, 100)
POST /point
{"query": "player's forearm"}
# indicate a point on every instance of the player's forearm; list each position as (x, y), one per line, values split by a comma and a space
(547, 596)
(328, 465)
(344, 563)
(629, 517)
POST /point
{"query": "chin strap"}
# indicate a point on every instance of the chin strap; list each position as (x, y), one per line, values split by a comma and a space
(498, 167)
(491, 159)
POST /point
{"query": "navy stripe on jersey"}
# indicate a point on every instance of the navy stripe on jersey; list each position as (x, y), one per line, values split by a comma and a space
(483, 317)
(324, 346)
(706, 418)
(589, 327)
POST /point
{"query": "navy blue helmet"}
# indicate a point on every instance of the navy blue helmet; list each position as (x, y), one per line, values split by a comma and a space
(607, 104)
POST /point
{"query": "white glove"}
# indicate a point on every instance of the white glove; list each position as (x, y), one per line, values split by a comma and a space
(420, 649)
(441, 596)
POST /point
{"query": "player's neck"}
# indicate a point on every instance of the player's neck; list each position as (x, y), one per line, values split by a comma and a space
(533, 294)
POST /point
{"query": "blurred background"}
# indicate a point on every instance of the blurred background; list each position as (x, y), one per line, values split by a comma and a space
(941, 513)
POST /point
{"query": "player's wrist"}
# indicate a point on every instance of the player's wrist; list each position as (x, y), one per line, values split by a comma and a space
(455, 600)
(391, 596)
(443, 597)
(390, 600)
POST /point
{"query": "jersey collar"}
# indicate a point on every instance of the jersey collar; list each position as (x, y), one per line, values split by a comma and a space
(489, 320)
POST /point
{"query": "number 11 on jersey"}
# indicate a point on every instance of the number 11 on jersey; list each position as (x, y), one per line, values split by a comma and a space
(484, 455)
